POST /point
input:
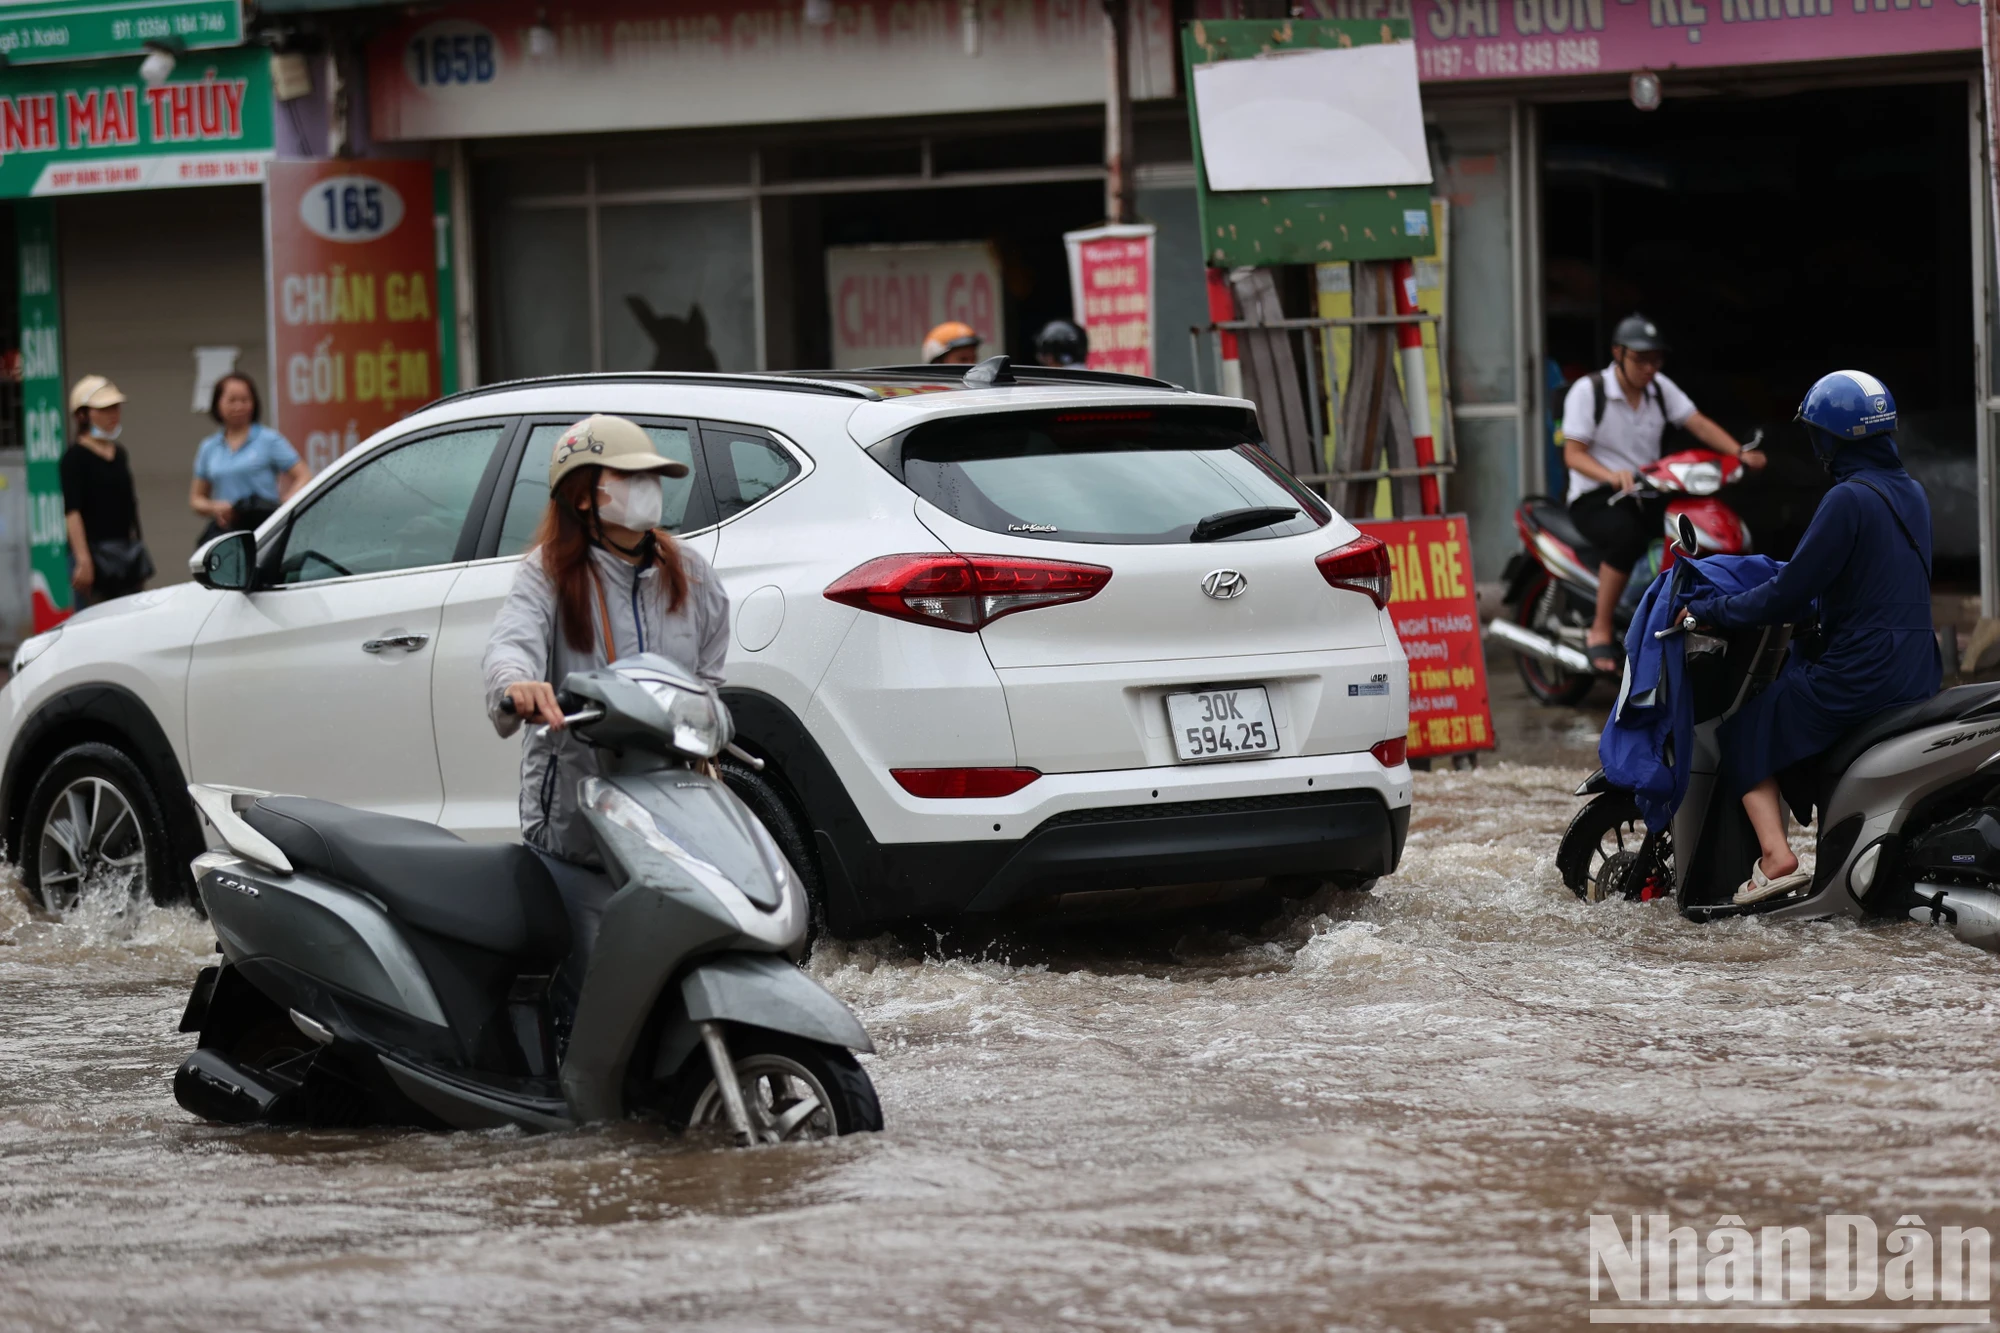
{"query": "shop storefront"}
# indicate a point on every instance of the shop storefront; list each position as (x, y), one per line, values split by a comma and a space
(685, 186)
(1803, 196)
(136, 225)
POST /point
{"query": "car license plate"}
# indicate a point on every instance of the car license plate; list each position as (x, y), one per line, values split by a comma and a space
(1222, 724)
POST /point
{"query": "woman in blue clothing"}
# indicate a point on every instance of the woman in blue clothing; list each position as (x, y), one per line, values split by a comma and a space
(1866, 561)
(246, 469)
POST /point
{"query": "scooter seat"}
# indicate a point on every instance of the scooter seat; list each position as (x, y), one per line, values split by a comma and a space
(495, 896)
(1552, 517)
(1944, 706)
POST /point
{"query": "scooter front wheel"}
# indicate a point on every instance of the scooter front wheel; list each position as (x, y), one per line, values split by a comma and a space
(795, 1091)
(1599, 854)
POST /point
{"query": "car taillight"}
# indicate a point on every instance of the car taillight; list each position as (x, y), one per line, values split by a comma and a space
(1360, 566)
(955, 784)
(964, 592)
(1391, 753)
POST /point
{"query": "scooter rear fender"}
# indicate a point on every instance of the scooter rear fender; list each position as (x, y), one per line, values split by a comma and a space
(316, 926)
(1888, 781)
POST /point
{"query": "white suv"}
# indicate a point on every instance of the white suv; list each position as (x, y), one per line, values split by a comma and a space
(1000, 639)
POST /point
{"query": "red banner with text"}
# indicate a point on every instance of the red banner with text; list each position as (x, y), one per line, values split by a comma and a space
(354, 279)
(1437, 616)
(1111, 287)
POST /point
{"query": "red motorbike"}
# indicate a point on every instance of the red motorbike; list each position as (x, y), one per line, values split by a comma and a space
(1551, 583)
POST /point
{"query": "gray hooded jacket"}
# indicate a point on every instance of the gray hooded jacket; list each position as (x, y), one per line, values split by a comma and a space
(525, 646)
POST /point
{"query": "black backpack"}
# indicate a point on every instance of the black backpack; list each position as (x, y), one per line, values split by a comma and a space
(1597, 399)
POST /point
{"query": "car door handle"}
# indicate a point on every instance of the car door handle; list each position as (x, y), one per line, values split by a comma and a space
(407, 642)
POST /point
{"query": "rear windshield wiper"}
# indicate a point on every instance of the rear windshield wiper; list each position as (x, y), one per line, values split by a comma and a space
(1232, 521)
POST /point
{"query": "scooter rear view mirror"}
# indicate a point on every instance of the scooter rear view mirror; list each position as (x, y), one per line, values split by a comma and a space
(1685, 536)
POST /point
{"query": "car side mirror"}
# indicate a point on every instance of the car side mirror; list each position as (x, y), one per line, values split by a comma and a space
(1685, 536)
(227, 563)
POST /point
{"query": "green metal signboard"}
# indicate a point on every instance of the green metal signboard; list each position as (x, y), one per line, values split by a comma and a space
(42, 408)
(89, 128)
(1300, 226)
(38, 31)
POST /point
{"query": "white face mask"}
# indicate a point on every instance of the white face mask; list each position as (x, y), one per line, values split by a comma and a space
(631, 500)
(103, 434)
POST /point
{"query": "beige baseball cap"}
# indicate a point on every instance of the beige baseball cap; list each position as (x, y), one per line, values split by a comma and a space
(608, 441)
(94, 391)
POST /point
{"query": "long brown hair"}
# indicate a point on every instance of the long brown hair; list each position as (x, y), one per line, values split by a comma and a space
(564, 539)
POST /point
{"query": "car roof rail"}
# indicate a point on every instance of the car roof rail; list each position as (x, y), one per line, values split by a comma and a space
(1020, 374)
(784, 382)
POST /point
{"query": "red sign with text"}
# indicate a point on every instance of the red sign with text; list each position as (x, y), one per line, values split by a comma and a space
(1111, 272)
(354, 279)
(1437, 616)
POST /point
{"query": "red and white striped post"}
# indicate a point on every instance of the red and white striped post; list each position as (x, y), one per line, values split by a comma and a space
(1416, 383)
(1222, 307)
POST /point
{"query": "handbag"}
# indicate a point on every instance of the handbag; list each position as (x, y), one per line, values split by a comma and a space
(121, 563)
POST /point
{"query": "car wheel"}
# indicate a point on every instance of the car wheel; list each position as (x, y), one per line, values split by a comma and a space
(93, 826)
(778, 817)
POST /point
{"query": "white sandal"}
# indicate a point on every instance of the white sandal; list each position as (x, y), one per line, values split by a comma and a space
(1759, 887)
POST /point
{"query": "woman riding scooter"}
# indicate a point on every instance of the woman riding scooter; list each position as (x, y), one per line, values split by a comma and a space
(1866, 561)
(603, 581)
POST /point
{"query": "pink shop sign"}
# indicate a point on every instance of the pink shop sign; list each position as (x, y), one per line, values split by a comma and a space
(1514, 39)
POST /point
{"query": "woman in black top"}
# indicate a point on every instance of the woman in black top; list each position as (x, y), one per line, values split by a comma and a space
(101, 507)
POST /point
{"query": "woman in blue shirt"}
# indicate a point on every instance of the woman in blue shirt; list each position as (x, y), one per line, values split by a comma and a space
(246, 469)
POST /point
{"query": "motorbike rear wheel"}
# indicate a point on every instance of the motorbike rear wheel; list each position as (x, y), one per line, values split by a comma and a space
(1541, 609)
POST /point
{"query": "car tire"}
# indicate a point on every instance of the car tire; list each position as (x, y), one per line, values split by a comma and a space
(101, 786)
(781, 819)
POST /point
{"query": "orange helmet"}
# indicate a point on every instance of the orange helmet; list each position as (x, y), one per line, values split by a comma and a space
(948, 337)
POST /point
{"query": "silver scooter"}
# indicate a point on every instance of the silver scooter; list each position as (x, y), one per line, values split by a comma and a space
(1908, 808)
(381, 970)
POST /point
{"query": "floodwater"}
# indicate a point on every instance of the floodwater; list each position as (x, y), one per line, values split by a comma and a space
(1383, 1111)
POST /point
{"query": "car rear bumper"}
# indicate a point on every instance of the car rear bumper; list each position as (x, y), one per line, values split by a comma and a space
(1328, 816)
(1349, 836)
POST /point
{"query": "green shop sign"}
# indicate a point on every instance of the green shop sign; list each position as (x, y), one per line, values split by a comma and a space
(36, 31)
(42, 409)
(89, 128)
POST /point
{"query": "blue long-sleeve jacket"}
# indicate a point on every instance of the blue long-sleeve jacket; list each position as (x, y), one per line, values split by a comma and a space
(1865, 563)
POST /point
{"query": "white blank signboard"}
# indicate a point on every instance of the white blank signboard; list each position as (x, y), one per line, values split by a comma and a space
(1308, 120)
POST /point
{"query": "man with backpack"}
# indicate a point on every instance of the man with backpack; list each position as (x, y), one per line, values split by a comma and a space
(1612, 424)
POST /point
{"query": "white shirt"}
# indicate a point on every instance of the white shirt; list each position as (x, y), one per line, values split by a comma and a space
(1629, 437)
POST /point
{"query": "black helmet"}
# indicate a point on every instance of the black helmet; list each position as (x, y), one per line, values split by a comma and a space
(1061, 343)
(1639, 334)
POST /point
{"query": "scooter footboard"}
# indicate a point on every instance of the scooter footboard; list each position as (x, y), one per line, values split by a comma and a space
(769, 991)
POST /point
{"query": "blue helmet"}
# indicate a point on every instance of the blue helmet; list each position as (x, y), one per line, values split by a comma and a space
(1849, 405)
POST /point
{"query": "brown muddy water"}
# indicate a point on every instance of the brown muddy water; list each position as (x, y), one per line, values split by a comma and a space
(1391, 1111)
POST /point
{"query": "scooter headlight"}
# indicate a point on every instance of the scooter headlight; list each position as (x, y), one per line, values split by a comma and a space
(1701, 478)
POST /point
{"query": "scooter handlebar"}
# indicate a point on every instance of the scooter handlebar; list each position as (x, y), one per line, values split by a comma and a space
(1683, 626)
(590, 714)
(582, 715)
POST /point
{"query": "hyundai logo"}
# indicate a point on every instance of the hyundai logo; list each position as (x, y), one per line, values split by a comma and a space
(1223, 584)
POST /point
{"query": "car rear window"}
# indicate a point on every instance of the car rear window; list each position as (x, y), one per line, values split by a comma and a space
(1112, 476)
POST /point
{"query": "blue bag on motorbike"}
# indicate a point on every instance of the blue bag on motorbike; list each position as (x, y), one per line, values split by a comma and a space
(1647, 737)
